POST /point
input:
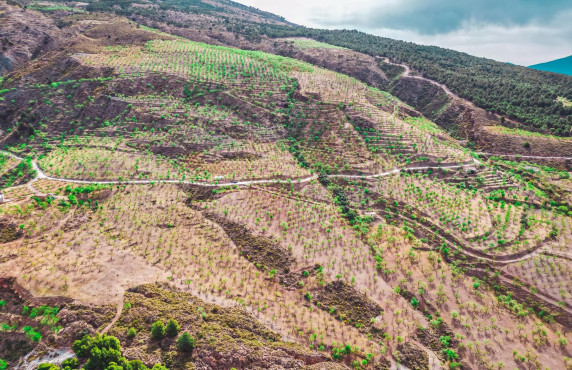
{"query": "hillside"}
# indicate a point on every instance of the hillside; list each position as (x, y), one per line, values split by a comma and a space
(486, 84)
(173, 201)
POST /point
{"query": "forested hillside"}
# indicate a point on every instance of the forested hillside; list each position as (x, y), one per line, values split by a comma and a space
(517, 92)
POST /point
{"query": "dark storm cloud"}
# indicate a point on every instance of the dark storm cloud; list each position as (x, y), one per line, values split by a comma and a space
(442, 16)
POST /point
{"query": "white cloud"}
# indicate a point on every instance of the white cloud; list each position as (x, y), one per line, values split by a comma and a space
(525, 40)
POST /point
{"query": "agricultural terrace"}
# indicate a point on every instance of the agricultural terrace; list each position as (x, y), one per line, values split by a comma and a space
(201, 249)
(497, 222)
(198, 61)
(467, 262)
(53, 7)
(235, 70)
(510, 131)
(481, 326)
(245, 161)
(304, 43)
(149, 234)
(550, 273)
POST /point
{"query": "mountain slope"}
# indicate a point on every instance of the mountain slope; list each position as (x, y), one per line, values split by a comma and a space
(490, 85)
(562, 65)
(285, 214)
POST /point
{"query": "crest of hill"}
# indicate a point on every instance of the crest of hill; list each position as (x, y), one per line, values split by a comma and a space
(214, 8)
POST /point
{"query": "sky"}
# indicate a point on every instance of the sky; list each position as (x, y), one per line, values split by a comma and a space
(522, 32)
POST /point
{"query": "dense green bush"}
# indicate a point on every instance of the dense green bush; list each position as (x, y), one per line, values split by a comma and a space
(158, 330)
(72, 363)
(185, 343)
(172, 328)
(131, 333)
(104, 352)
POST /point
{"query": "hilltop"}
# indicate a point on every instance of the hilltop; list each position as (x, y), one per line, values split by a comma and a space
(285, 202)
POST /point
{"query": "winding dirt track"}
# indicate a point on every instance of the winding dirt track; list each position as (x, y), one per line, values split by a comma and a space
(407, 73)
(40, 175)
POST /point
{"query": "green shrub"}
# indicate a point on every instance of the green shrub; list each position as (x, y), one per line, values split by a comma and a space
(451, 355)
(104, 352)
(48, 367)
(158, 330)
(172, 328)
(33, 335)
(131, 333)
(72, 363)
(185, 343)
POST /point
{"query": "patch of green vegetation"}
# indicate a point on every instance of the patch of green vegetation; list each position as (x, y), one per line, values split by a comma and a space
(18, 175)
(3, 161)
(101, 352)
(47, 315)
(54, 8)
(32, 334)
(80, 195)
(313, 44)
(424, 124)
(271, 64)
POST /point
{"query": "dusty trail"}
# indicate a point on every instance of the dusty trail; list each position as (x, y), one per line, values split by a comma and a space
(451, 94)
(524, 156)
(117, 315)
(407, 73)
(40, 175)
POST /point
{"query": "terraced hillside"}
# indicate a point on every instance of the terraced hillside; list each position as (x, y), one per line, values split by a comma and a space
(182, 205)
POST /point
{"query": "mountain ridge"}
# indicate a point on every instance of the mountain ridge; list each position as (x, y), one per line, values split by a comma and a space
(561, 65)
